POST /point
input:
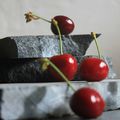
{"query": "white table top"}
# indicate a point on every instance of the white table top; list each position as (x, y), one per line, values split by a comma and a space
(109, 115)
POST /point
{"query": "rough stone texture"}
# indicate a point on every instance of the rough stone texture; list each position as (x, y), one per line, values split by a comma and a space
(18, 63)
(50, 100)
(112, 73)
(29, 71)
(43, 46)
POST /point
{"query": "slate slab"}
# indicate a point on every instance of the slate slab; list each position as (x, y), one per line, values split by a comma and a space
(50, 100)
(18, 55)
(43, 46)
(18, 64)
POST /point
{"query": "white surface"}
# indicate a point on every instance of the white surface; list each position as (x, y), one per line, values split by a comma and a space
(111, 115)
(36, 100)
(101, 16)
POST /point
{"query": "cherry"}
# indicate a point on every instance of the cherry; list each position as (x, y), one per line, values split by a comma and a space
(66, 25)
(66, 63)
(93, 69)
(87, 103)
(63, 23)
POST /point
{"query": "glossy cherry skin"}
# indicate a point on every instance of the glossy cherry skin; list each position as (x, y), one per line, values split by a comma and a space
(93, 69)
(66, 63)
(87, 103)
(65, 24)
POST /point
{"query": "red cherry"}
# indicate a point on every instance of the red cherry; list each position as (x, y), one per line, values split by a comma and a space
(67, 65)
(93, 69)
(66, 25)
(87, 102)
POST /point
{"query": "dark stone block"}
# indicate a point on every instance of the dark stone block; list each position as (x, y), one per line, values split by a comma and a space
(43, 46)
(18, 55)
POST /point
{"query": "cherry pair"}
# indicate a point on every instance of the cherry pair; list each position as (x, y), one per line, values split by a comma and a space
(91, 69)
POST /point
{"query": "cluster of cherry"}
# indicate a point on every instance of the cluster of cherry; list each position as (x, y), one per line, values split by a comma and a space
(85, 102)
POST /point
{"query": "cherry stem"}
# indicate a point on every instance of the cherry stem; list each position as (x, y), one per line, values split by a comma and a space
(59, 34)
(30, 16)
(45, 60)
(98, 49)
(41, 18)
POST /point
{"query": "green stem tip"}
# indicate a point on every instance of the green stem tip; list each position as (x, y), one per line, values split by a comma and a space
(93, 34)
(60, 36)
(41, 18)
